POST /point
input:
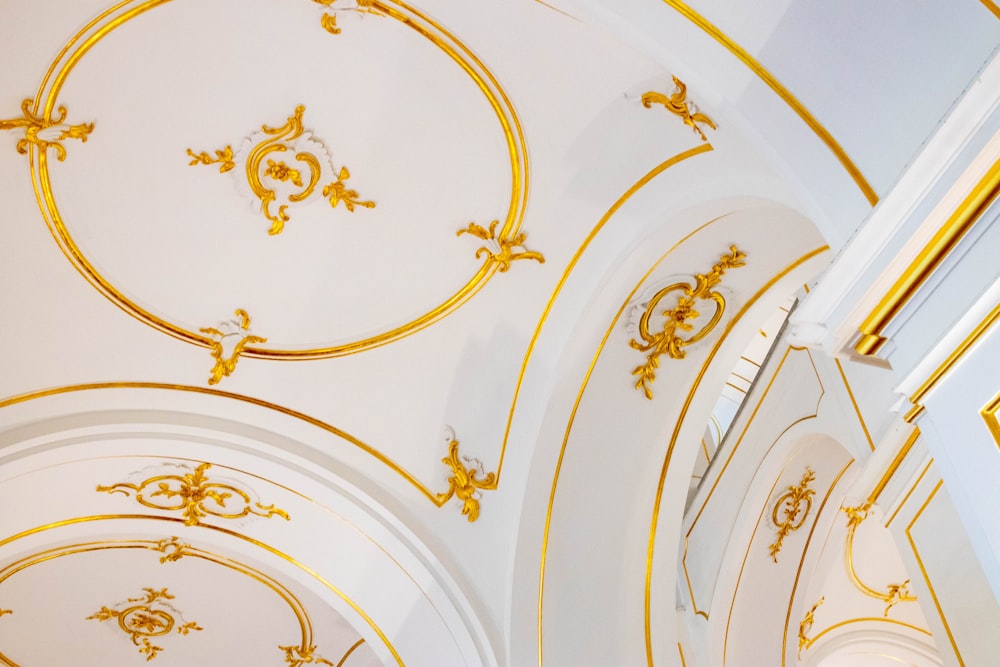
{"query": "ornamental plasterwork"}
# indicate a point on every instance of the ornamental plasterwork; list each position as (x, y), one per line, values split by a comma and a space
(45, 131)
(895, 593)
(791, 510)
(468, 478)
(678, 104)
(662, 332)
(329, 20)
(195, 496)
(501, 249)
(228, 340)
(280, 167)
(147, 617)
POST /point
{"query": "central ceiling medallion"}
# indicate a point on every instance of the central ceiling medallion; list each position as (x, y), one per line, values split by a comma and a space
(266, 173)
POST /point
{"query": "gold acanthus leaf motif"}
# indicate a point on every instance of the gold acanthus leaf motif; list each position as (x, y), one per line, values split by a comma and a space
(677, 104)
(172, 549)
(237, 330)
(806, 625)
(284, 140)
(151, 617)
(668, 341)
(502, 250)
(45, 132)
(296, 656)
(895, 593)
(464, 483)
(329, 21)
(195, 496)
(794, 514)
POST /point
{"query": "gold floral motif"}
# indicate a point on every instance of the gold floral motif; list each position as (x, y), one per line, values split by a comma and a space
(329, 21)
(296, 656)
(501, 250)
(172, 548)
(668, 341)
(234, 335)
(464, 482)
(45, 132)
(677, 104)
(152, 617)
(792, 501)
(895, 593)
(224, 158)
(193, 492)
(806, 625)
(286, 139)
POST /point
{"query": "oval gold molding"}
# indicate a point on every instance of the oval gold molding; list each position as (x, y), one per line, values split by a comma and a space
(45, 111)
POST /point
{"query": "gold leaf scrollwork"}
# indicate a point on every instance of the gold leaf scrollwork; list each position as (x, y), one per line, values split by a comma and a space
(261, 164)
(675, 320)
(794, 514)
(464, 481)
(196, 497)
(895, 593)
(296, 656)
(45, 132)
(501, 250)
(329, 21)
(172, 549)
(806, 625)
(229, 340)
(677, 104)
(152, 617)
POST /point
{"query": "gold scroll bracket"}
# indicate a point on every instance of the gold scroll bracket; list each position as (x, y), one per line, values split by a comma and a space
(468, 478)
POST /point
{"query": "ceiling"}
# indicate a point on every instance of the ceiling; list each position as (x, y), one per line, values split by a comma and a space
(387, 263)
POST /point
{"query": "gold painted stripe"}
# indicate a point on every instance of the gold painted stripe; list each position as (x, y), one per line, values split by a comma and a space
(802, 559)
(992, 6)
(923, 571)
(854, 402)
(340, 663)
(782, 92)
(984, 325)
(638, 185)
(572, 418)
(893, 467)
(867, 619)
(989, 415)
(909, 493)
(681, 651)
(928, 260)
(239, 397)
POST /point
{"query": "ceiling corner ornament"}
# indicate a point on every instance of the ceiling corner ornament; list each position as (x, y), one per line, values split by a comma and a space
(465, 482)
(329, 21)
(895, 593)
(147, 616)
(794, 514)
(228, 341)
(806, 625)
(196, 497)
(312, 164)
(501, 250)
(668, 341)
(45, 131)
(296, 656)
(678, 104)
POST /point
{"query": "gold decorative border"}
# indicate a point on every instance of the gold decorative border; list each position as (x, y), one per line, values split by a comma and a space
(927, 261)
(992, 6)
(865, 619)
(989, 415)
(296, 655)
(895, 593)
(923, 571)
(743, 56)
(45, 104)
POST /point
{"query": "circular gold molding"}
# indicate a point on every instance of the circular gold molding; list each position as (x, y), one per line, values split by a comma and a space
(45, 107)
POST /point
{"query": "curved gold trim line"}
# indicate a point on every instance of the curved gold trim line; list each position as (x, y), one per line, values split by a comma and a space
(866, 619)
(447, 42)
(782, 92)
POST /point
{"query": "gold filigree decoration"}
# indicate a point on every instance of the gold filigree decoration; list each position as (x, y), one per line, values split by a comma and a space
(794, 513)
(195, 496)
(501, 250)
(669, 341)
(230, 339)
(45, 132)
(172, 549)
(260, 164)
(895, 593)
(152, 617)
(677, 104)
(329, 21)
(224, 158)
(465, 482)
(806, 625)
(296, 656)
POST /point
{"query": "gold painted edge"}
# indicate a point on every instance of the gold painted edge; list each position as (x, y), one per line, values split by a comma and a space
(989, 415)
